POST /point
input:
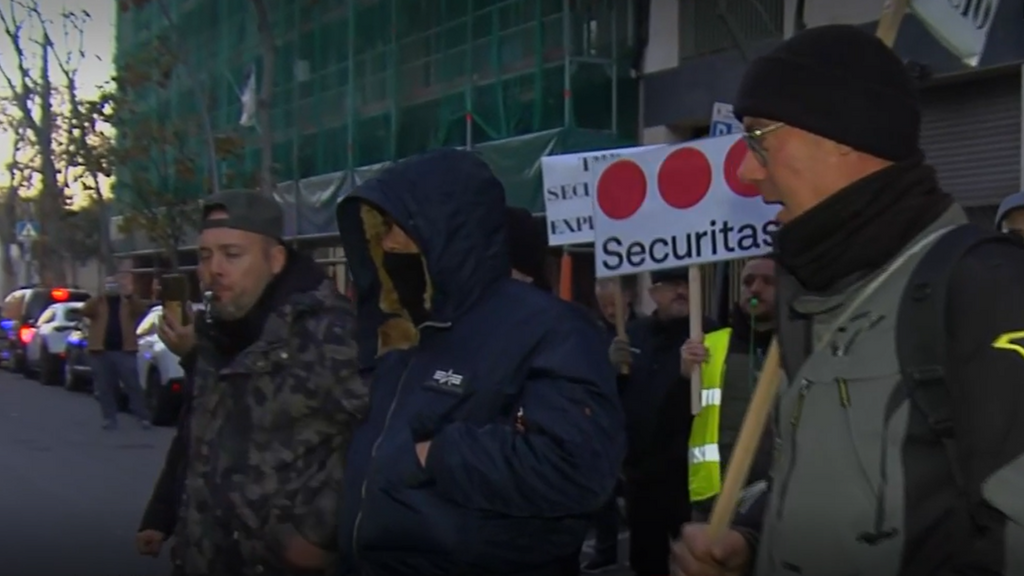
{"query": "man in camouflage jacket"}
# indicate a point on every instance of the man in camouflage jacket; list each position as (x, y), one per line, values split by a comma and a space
(276, 394)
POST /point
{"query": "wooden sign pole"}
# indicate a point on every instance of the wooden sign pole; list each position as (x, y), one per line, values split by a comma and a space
(696, 334)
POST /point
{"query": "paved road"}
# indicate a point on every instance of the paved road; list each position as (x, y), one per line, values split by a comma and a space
(71, 494)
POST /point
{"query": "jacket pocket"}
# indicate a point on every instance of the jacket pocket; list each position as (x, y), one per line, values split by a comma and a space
(404, 514)
(400, 465)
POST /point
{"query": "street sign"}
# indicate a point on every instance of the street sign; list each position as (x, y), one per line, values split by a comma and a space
(722, 120)
(27, 230)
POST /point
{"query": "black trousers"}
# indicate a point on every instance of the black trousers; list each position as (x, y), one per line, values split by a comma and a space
(656, 511)
(606, 531)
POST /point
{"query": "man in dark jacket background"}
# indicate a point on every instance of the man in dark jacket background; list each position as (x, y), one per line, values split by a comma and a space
(606, 521)
(1010, 216)
(729, 376)
(656, 398)
(494, 430)
(527, 247)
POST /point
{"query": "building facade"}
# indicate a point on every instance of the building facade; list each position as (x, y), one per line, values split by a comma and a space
(360, 83)
(972, 116)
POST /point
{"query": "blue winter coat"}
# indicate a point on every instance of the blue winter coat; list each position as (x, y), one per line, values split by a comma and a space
(493, 498)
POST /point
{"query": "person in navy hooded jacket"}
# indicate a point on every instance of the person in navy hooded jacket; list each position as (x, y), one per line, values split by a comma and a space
(495, 430)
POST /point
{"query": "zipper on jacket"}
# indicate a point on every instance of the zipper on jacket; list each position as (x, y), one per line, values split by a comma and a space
(794, 423)
(373, 456)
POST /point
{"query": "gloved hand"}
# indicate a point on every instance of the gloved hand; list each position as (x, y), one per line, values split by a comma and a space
(620, 353)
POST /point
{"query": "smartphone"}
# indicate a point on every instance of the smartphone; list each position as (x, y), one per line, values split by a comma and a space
(174, 296)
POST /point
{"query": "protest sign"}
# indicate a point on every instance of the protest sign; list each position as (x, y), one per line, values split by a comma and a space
(678, 205)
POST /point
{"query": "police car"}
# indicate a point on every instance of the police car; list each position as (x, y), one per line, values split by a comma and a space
(45, 352)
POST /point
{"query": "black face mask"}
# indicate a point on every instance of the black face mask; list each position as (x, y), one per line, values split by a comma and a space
(410, 281)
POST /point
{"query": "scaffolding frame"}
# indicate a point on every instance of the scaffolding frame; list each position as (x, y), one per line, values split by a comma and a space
(360, 82)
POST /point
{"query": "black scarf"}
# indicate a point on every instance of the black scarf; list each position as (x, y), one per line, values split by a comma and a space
(861, 227)
(409, 278)
(230, 337)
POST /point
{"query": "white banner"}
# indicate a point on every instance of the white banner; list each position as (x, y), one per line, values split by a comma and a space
(677, 206)
(568, 193)
(962, 25)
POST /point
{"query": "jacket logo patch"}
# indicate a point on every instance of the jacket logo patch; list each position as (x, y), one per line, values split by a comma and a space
(447, 380)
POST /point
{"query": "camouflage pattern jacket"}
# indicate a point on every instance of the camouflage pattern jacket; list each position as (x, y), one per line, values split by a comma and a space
(267, 438)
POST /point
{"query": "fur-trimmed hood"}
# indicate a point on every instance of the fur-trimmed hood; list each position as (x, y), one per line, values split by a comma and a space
(453, 207)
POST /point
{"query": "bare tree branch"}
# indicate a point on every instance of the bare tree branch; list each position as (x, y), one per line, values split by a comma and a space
(80, 125)
(21, 92)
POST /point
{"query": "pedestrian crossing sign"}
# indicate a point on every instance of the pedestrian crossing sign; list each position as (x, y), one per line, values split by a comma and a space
(27, 230)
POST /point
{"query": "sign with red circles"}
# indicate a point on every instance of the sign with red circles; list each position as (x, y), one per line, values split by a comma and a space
(683, 179)
(678, 205)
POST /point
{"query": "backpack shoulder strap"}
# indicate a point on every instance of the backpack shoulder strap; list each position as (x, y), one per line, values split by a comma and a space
(921, 331)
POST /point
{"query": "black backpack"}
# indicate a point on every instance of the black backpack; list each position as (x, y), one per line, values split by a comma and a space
(921, 330)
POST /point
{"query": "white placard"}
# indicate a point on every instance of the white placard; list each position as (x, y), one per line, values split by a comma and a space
(723, 121)
(962, 25)
(677, 206)
(569, 181)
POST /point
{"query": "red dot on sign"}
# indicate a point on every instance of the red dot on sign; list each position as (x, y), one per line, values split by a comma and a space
(621, 189)
(684, 178)
(733, 159)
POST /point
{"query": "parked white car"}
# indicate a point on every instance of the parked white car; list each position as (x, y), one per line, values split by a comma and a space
(160, 373)
(45, 352)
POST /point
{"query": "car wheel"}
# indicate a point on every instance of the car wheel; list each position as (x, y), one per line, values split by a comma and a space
(20, 365)
(51, 369)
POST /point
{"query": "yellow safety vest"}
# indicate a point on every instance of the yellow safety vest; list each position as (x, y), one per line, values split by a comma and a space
(705, 461)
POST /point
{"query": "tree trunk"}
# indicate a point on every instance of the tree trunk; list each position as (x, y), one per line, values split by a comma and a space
(7, 239)
(51, 201)
(268, 51)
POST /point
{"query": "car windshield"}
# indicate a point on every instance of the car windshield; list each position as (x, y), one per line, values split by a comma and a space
(73, 314)
(41, 299)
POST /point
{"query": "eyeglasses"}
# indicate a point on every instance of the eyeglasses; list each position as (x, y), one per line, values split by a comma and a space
(755, 141)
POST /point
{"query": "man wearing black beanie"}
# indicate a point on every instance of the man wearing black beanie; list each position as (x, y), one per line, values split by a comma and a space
(900, 448)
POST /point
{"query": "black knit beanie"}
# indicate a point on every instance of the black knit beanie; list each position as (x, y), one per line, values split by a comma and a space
(841, 83)
(528, 245)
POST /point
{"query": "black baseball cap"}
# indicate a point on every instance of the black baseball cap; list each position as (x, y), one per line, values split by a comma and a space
(247, 210)
(670, 275)
(1009, 204)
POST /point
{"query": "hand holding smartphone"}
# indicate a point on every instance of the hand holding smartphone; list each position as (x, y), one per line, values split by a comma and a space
(174, 297)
